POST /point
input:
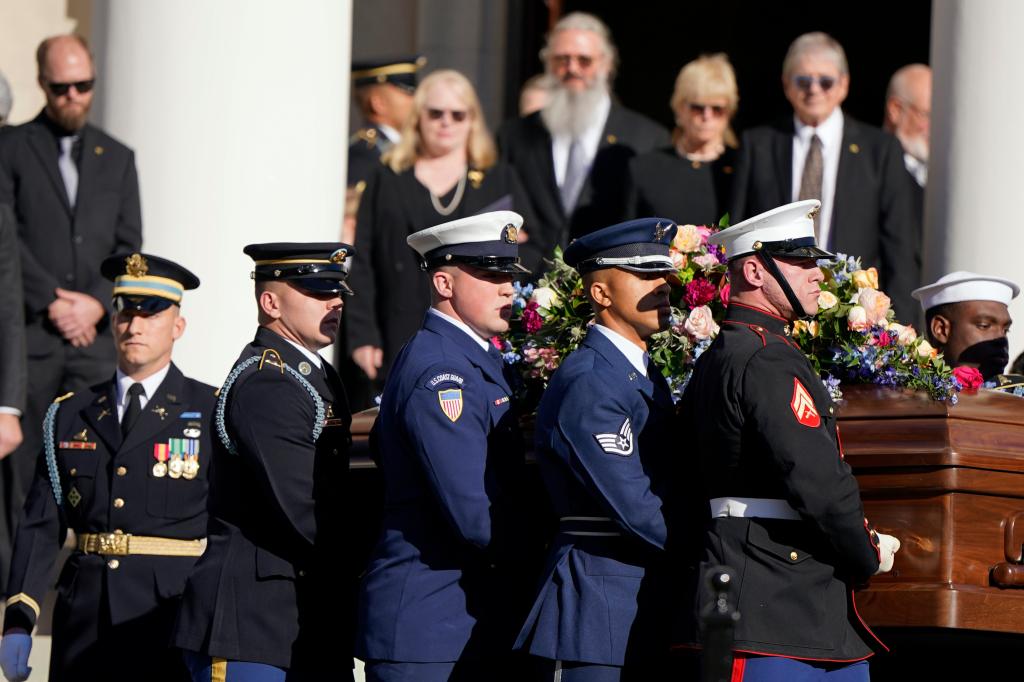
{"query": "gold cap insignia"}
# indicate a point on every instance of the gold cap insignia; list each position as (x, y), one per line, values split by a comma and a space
(339, 256)
(757, 246)
(510, 234)
(813, 212)
(135, 265)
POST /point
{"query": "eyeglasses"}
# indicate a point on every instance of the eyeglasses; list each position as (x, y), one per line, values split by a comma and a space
(457, 115)
(805, 82)
(60, 89)
(716, 110)
(563, 60)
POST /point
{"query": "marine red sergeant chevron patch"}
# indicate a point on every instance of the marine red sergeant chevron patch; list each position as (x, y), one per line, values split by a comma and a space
(803, 406)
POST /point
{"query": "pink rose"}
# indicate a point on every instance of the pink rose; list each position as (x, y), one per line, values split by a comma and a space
(678, 259)
(857, 319)
(875, 304)
(687, 239)
(701, 324)
(969, 377)
(706, 261)
(723, 295)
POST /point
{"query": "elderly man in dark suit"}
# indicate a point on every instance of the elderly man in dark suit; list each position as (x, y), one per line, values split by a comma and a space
(855, 170)
(75, 195)
(13, 374)
(573, 155)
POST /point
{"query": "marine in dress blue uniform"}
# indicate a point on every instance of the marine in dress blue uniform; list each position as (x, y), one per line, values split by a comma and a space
(445, 589)
(785, 510)
(603, 430)
(271, 599)
(129, 475)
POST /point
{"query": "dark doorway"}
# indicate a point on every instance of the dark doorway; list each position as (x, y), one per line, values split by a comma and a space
(656, 39)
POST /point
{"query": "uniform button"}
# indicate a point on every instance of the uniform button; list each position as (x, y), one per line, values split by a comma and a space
(78, 239)
(121, 471)
(334, 451)
(302, 573)
(74, 471)
(794, 556)
(70, 277)
(113, 563)
(118, 503)
(831, 410)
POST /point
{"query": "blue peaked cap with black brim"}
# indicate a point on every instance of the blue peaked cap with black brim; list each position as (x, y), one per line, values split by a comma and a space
(640, 245)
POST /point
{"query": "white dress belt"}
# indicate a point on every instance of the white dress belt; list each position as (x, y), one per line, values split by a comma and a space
(746, 507)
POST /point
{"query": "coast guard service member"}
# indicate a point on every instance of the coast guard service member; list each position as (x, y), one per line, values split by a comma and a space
(603, 433)
(271, 598)
(125, 466)
(785, 509)
(445, 590)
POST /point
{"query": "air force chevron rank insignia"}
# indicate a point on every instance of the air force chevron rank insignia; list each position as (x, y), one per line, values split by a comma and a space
(451, 402)
(620, 443)
(803, 406)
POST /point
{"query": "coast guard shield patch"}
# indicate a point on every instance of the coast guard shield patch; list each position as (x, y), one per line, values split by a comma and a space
(451, 402)
(803, 406)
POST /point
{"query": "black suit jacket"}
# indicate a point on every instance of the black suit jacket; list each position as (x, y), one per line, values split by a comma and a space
(526, 144)
(61, 246)
(95, 466)
(13, 370)
(873, 213)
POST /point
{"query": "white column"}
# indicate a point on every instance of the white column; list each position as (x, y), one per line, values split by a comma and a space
(976, 176)
(238, 113)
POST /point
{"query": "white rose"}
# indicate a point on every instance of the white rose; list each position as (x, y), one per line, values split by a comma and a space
(701, 324)
(545, 297)
(826, 300)
(857, 320)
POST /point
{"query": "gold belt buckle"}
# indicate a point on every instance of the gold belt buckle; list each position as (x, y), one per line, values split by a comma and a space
(115, 544)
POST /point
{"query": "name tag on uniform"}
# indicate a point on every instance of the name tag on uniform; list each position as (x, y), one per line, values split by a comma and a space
(76, 445)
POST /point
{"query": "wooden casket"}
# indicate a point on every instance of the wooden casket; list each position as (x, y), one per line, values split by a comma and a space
(948, 481)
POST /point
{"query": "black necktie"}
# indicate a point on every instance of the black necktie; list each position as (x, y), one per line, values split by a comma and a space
(133, 409)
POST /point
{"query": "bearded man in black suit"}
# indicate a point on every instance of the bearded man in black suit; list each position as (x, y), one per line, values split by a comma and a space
(75, 195)
(855, 170)
(573, 155)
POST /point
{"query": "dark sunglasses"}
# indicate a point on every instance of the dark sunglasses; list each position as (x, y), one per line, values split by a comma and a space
(60, 89)
(563, 60)
(716, 110)
(457, 115)
(805, 82)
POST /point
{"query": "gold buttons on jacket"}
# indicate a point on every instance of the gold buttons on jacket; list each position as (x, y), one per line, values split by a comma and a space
(118, 503)
(113, 564)
(793, 556)
(121, 471)
(74, 471)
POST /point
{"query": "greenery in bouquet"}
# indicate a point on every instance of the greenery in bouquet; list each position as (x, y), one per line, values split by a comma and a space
(854, 338)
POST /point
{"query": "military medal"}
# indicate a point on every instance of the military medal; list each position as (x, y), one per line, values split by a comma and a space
(190, 468)
(304, 368)
(160, 455)
(176, 465)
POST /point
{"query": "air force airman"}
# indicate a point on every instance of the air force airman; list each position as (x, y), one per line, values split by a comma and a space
(125, 466)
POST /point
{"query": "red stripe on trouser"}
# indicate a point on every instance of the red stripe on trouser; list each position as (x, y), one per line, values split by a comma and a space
(739, 665)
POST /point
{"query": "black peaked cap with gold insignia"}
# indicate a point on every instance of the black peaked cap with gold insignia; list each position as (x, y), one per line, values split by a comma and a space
(317, 267)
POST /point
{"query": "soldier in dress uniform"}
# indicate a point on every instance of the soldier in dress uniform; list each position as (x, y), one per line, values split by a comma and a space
(602, 432)
(270, 600)
(785, 509)
(445, 588)
(125, 466)
(967, 318)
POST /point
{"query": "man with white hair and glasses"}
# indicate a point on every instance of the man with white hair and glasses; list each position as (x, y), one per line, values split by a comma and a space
(573, 154)
(855, 170)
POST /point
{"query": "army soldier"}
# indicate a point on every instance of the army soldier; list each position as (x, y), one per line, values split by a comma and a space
(270, 599)
(967, 317)
(602, 430)
(785, 509)
(444, 591)
(125, 467)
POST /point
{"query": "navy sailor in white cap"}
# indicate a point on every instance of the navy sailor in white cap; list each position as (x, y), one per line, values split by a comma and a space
(967, 318)
(445, 590)
(785, 510)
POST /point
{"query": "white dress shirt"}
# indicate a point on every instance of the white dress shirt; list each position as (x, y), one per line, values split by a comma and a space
(393, 135)
(313, 357)
(830, 132)
(917, 168)
(634, 353)
(149, 386)
(591, 140)
(481, 341)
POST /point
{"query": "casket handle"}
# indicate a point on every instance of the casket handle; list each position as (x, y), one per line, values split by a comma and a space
(1010, 573)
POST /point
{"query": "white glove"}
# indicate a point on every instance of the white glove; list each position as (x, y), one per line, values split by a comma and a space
(14, 650)
(888, 545)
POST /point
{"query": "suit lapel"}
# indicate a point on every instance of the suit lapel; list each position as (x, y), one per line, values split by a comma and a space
(472, 350)
(161, 410)
(783, 153)
(101, 416)
(544, 161)
(44, 145)
(846, 177)
(89, 167)
(600, 343)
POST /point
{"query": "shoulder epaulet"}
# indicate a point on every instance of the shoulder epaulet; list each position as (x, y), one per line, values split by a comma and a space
(272, 358)
(367, 136)
(50, 447)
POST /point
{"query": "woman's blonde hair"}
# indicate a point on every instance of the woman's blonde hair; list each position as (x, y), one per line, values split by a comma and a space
(708, 76)
(481, 152)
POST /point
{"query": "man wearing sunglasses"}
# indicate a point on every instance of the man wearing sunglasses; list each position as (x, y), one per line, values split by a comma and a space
(75, 195)
(855, 170)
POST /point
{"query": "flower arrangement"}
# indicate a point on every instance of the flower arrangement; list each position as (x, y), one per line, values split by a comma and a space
(853, 338)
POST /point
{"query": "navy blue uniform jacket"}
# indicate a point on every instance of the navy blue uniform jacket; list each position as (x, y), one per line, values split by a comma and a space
(603, 445)
(443, 583)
